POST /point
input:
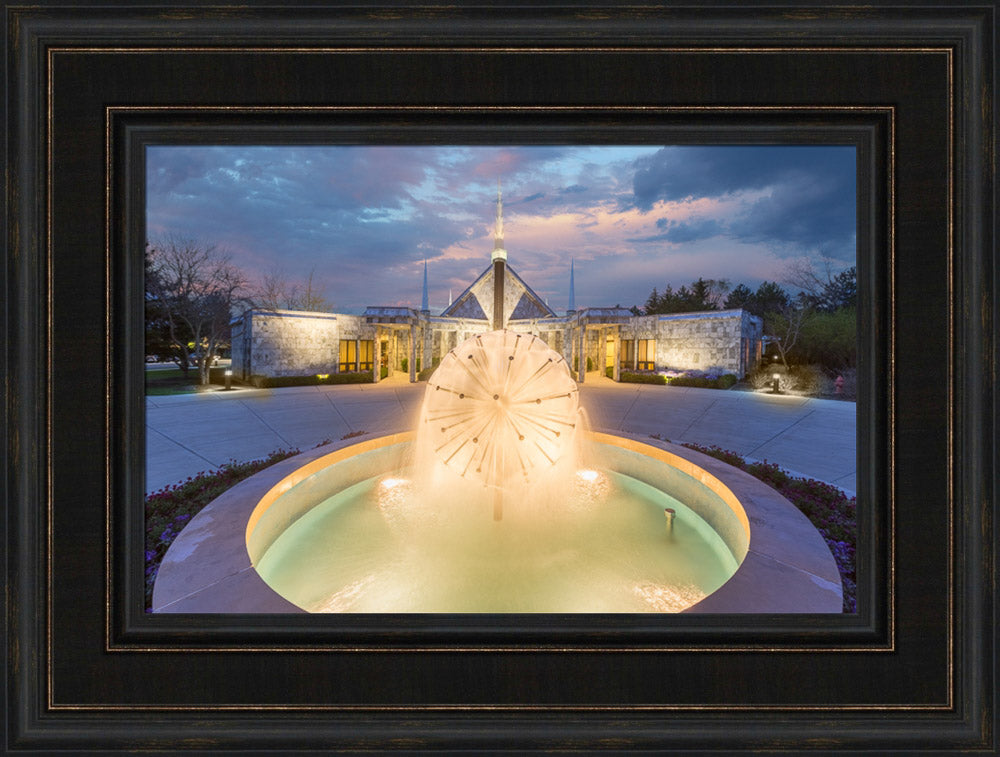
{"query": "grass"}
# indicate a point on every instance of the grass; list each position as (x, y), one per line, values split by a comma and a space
(171, 508)
(830, 510)
(166, 381)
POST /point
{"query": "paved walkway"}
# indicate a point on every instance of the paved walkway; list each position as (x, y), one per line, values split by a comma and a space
(190, 433)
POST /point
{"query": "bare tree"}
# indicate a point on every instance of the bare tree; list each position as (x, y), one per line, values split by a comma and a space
(311, 298)
(276, 292)
(786, 326)
(826, 284)
(810, 274)
(199, 288)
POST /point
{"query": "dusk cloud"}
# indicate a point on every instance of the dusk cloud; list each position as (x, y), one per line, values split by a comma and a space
(363, 218)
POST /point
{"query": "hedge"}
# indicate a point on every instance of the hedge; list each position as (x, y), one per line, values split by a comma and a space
(722, 382)
(274, 382)
(627, 377)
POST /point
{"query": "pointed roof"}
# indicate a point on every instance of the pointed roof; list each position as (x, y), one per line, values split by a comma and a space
(476, 301)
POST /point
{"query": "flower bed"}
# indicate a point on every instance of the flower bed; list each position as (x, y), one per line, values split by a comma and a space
(830, 510)
(172, 507)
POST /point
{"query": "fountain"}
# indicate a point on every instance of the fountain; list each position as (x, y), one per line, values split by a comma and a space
(407, 522)
(501, 409)
(500, 430)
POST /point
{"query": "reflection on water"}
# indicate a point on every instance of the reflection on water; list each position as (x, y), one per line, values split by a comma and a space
(382, 546)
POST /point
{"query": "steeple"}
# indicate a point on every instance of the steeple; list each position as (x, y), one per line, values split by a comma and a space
(499, 253)
(572, 293)
(424, 306)
(499, 264)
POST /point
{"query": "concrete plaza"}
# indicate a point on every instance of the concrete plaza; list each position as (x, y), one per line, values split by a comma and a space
(190, 433)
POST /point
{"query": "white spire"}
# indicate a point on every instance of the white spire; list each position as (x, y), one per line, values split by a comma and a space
(423, 300)
(572, 289)
(499, 253)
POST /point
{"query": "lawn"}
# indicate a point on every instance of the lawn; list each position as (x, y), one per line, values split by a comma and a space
(170, 381)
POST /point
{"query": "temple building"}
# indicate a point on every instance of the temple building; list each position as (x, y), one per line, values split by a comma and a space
(274, 343)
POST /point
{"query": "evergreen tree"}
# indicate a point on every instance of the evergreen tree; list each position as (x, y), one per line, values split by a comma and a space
(841, 291)
(741, 297)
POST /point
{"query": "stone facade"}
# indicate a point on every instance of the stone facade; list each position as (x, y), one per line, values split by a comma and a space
(723, 339)
(290, 343)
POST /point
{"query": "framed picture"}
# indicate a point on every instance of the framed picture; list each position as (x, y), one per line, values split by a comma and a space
(94, 90)
(529, 484)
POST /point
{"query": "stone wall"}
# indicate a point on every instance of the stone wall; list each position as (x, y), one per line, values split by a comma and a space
(293, 343)
(724, 339)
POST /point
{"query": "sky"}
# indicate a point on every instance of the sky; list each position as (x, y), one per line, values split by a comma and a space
(363, 219)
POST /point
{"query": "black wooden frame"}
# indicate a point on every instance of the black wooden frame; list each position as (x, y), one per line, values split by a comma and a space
(913, 87)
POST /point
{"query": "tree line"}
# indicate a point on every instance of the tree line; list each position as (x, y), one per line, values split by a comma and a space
(817, 324)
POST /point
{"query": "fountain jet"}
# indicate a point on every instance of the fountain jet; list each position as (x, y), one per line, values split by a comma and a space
(502, 409)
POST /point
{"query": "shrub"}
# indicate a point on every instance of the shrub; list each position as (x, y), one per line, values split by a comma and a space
(697, 381)
(810, 379)
(726, 380)
(275, 382)
(704, 382)
(383, 372)
(425, 374)
(405, 364)
(629, 377)
(590, 364)
(831, 511)
(609, 372)
(364, 377)
(797, 379)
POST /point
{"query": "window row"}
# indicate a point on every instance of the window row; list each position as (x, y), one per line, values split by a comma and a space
(352, 359)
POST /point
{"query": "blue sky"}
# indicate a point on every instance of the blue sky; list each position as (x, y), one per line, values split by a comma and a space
(364, 218)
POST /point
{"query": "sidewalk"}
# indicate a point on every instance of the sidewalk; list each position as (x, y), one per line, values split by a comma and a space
(190, 433)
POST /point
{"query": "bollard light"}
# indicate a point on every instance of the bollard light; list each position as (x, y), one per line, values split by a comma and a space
(774, 389)
(229, 379)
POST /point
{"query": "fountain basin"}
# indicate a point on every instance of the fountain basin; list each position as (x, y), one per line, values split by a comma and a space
(783, 563)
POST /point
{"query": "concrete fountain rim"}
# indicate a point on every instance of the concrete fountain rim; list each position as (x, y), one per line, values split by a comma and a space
(788, 567)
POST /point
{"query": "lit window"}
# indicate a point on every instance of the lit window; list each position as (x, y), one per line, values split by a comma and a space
(646, 354)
